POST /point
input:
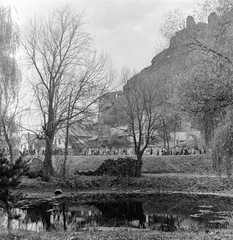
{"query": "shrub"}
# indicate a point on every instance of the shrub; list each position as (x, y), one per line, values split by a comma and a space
(222, 150)
(10, 178)
(122, 167)
(35, 168)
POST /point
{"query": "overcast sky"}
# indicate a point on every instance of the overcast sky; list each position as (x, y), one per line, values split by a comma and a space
(128, 30)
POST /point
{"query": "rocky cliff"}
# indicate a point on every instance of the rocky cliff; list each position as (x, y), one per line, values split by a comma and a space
(108, 114)
(183, 50)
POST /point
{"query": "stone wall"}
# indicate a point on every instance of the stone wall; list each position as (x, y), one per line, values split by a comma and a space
(182, 53)
(176, 59)
(108, 108)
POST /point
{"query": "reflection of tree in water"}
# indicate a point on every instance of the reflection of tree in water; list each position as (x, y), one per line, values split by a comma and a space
(74, 216)
(130, 213)
(83, 216)
(39, 213)
(121, 212)
(49, 214)
(58, 215)
(162, 222)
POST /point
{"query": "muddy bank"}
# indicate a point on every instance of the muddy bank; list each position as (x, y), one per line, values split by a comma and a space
(179, 205)
(155, 182)
(155, 192)
(93, 188)
(122, 233)
(182, 201)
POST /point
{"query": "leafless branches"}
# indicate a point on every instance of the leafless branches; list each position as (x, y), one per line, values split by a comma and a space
(141, 110)
(68, 75)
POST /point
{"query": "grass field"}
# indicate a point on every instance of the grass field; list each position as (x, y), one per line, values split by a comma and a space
(194, 164)
(119, 234)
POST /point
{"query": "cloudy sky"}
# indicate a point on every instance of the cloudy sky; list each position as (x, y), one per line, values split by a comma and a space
(128, 30)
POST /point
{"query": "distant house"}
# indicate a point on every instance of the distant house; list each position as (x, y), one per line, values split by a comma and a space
(107, 132)
(109, 112)
(27, 142)
(30, 143)
(79, 137)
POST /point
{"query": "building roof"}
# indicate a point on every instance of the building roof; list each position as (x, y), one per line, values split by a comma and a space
(29, 136)
(83, 131)
(121, 131)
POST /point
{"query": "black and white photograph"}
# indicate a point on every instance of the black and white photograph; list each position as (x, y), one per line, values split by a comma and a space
(116, 119)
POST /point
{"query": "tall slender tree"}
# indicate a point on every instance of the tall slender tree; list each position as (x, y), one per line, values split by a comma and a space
(10, 77)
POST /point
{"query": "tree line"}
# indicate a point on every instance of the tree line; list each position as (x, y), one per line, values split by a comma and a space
(68, 77)
(204, 92)
(200, 93)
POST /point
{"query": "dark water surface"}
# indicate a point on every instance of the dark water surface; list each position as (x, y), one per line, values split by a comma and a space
(163, 212)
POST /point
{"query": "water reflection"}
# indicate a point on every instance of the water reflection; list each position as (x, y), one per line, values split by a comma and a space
(59, 215)
(121, 213)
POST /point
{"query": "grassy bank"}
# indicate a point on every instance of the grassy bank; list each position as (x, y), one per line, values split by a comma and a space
(160, 174)
(97, 185)
(198, 164)
(119, 234)
(187, 174)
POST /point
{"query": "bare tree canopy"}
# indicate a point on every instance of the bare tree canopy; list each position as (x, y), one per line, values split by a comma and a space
(204, 90)
(141, 110)
(68, 75)
(174, 21)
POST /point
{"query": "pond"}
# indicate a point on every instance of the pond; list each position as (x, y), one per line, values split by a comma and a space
(165, 212)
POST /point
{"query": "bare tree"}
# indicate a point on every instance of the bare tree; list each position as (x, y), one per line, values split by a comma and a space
(141, 110)
(83, 95)
(204, 8)
(68, 76)
(10, 77)
(204, 93)
(206, 87)
(10, 130)
(174, 22)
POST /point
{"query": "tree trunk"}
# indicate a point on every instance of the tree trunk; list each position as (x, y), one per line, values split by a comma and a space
(228, 166)
(66, 150)
(48, 170)
(8, 141)
(208, 129)
(64, 216)
(139, 165)
(8, 211)
(167, 137)
(46, 219)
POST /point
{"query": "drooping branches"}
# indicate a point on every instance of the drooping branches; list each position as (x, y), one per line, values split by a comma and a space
(10, 77)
